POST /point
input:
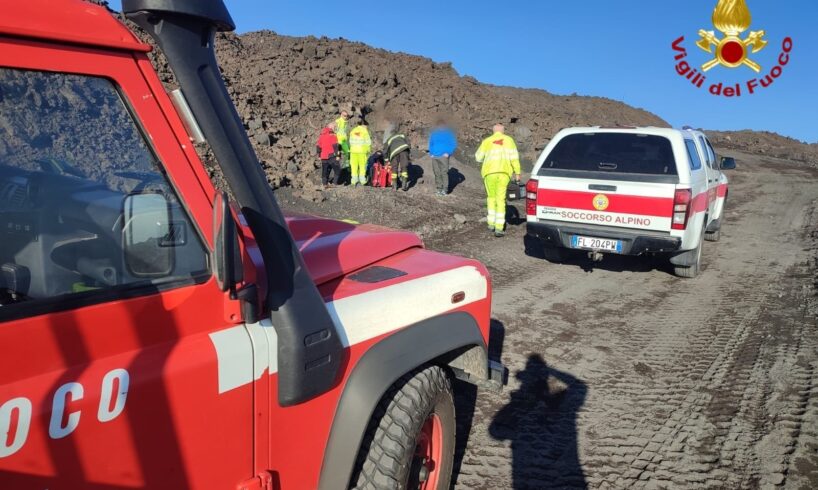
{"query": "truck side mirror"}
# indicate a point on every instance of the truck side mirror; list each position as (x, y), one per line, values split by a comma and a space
(226, 252)
(728, 163)
(149, 235)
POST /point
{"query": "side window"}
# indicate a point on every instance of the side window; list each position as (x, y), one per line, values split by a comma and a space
(708, 159)
(84, 203)
(693, 153)
(713, 159)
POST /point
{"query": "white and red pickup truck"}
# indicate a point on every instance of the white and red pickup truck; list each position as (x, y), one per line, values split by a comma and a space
(629, 191)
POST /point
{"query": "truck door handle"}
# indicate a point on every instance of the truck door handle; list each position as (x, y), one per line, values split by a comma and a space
(603, 188)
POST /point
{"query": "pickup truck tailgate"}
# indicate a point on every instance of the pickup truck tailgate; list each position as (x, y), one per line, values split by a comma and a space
(624, 204)
(609, 178)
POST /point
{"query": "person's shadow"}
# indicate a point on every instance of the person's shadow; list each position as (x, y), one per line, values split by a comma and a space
(415, 174)
(513, 216)
(540, 422)
(455, 179)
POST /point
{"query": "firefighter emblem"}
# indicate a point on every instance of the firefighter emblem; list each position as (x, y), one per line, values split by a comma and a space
(732, 17)
(600, 202)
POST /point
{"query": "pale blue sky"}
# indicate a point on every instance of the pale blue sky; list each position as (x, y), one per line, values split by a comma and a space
(621, 50)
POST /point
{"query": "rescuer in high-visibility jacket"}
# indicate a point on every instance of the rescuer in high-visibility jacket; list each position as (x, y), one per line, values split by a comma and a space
(501, 161)
(359, 146)
(396, 149)
(342, 133)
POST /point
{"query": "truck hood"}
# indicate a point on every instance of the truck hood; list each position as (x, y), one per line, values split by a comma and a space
(333, 248)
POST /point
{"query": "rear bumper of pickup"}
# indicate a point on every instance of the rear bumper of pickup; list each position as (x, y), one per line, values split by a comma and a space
(559, 234)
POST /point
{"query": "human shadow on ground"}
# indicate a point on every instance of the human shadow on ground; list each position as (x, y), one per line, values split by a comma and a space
(415, 174)
(455, 179)
(540, 420)
(513, 216)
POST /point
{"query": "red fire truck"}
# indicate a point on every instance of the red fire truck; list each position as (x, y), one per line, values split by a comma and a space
(156, 334)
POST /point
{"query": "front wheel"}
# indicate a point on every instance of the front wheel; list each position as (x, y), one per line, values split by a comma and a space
(410, 440)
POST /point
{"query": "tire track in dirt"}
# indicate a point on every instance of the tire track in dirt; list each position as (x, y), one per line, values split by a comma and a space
(702, 383)
(716, 390)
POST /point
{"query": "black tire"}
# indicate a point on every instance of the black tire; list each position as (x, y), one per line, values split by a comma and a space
(713, 236)
(693, 270)
(387, 459)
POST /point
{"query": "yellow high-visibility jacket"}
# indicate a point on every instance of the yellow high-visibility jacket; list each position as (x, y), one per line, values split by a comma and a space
(498, 154)
(341, 134)
(359, 140)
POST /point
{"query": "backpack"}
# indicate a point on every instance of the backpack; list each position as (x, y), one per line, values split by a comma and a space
(381, 175)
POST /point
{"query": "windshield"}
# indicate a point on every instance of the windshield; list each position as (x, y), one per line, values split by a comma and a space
(620, 153)
(85, 206)
(73, 126)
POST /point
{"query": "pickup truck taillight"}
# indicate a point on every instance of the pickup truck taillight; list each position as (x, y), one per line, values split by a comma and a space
(531, 197)
(681, 209)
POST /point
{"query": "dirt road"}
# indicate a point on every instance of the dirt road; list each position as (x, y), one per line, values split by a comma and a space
(624, 376)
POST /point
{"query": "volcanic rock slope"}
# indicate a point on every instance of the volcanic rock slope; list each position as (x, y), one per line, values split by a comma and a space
(767, 144)
(286, 88)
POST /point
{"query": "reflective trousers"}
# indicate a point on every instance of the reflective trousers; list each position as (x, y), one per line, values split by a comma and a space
(357, 162)
(496, 187)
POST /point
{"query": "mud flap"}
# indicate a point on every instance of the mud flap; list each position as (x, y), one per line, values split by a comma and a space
(684, 259)
(495, 381)
(498, 376)
(688, 257)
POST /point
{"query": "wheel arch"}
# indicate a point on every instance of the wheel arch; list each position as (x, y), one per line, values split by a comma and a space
(453, 339)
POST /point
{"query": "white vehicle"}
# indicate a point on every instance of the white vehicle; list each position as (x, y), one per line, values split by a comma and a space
(628, 191)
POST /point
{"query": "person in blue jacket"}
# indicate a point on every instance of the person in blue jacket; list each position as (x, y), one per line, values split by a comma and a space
(442, 144)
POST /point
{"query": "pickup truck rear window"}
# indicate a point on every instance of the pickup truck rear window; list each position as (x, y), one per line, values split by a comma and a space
(615, 153)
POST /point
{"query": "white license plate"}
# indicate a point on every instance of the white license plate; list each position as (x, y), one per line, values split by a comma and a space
(592, 243)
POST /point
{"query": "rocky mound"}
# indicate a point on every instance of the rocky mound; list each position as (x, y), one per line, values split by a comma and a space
(287, 88)
(766, 143)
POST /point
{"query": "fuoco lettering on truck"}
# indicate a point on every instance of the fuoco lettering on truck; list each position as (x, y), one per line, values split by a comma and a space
(16, 414)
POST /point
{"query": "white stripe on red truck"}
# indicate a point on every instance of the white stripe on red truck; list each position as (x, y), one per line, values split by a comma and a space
(359, 318)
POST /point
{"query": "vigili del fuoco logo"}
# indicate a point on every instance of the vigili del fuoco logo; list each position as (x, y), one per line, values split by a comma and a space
(731, 49)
